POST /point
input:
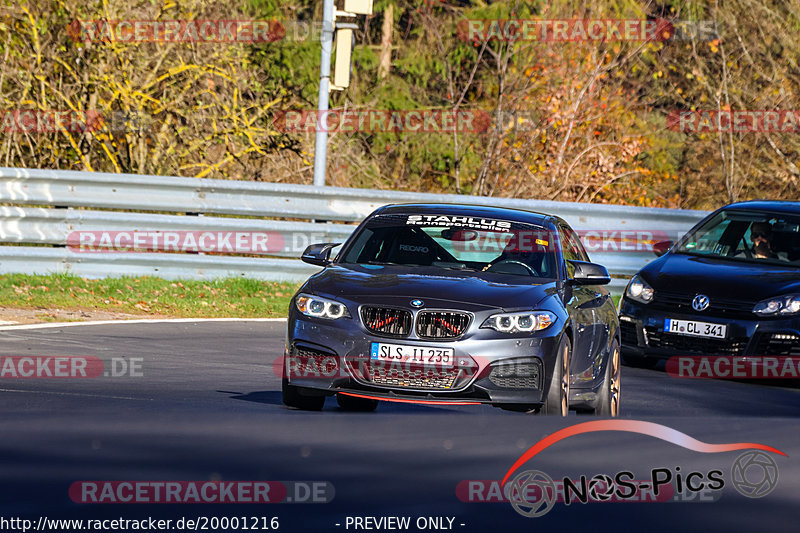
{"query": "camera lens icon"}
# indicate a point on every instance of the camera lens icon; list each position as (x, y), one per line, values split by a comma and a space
(754, 474)
(532, 493)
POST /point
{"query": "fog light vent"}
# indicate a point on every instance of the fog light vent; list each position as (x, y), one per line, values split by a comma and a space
(517, 375)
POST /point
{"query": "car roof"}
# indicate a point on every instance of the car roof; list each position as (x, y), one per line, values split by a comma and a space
(502, 213)
(779, 206)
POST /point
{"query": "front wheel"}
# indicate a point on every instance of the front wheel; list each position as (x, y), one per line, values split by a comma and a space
(608, 397)
(557, 400)
(293, 397)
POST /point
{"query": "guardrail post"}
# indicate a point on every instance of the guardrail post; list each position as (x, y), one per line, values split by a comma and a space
(321, 142)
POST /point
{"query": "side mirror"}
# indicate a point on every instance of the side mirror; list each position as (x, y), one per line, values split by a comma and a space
(584, 273)
(660, 248)
(318, 254)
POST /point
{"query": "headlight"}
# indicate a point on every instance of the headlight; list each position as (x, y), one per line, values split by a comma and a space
(639, 290)
(320, 307)
(780, 305)
(520, 322)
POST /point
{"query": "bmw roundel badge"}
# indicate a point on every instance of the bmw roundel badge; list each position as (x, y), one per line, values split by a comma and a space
(417, 303)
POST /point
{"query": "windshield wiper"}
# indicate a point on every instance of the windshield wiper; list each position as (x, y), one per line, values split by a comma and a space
(741, 259)
(451, 266)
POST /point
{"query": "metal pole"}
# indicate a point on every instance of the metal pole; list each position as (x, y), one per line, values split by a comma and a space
(321, 144)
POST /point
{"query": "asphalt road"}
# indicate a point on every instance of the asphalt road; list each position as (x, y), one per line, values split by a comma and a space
(204, 404)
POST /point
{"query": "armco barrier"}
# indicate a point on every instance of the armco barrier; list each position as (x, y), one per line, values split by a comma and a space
(43, 207)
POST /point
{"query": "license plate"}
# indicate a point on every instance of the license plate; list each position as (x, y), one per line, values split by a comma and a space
(695, 328)
(421, 355)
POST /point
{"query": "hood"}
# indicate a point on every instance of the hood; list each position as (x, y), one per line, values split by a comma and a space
(723, 278)
(398, 285)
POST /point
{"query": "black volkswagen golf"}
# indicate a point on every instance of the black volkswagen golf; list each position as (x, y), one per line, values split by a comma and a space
(729, 287)
(455, 305)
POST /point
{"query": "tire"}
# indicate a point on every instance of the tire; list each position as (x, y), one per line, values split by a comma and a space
(293, 397)
(608, 398)
(351, 403)
(557, 400)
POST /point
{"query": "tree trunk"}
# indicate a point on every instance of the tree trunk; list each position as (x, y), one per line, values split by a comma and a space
(385, 62)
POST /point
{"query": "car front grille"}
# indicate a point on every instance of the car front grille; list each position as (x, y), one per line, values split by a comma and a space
(441, 324)
(722, 307)
(416, 378)
(777, 344)
(368, 371)
(695, 345)
(386, 321)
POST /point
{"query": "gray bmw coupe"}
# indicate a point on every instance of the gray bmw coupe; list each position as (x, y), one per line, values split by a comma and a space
(454, 305)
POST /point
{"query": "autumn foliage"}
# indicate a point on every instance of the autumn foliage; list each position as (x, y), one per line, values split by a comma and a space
(578, 120)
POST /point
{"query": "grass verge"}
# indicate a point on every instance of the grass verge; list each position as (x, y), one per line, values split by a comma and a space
(149, 296)
(232, 297)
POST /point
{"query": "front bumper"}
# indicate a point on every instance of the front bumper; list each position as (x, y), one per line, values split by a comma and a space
(642, 328)
(330, 357)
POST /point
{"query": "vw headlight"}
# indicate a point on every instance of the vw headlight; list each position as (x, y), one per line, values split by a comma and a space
(780, 305)
(526, 321)
(320, 307)
(639, 290)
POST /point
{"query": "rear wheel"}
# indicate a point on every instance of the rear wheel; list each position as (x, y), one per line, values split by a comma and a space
(557, 400)
(293, 397)
(608, 397)
(352, 403)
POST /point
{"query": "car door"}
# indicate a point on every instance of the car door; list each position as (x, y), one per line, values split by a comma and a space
(588, 306)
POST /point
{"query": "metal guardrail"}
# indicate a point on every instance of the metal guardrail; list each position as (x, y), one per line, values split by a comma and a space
(36, 225)
(41, 207)
(169, 266)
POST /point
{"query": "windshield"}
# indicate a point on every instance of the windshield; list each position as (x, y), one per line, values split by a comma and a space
(455, 242)
(758, 237)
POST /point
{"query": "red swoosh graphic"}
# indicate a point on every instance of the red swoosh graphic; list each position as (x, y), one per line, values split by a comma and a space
(635, 426)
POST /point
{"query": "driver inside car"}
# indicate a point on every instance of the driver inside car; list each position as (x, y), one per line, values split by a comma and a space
(524, 247)
(761, 238)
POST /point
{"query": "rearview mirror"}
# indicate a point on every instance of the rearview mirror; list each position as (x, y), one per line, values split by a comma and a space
(660, 248)
(318, 254)
(459, 235)
(585, 273)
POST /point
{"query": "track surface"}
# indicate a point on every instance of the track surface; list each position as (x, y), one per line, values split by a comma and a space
(208, 406)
